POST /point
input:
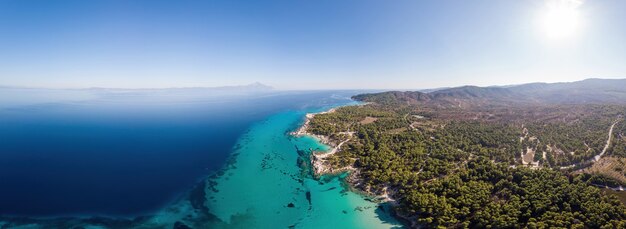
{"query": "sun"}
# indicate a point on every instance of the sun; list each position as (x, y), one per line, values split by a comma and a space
(561, 18)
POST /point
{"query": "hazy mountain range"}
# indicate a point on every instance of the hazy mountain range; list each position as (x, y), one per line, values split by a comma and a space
(601, 91)
(249, 87)
(15, 96)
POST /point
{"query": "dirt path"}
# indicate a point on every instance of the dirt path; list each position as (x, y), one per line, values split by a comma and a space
(606, 147)
(608, 143)
(336, 148)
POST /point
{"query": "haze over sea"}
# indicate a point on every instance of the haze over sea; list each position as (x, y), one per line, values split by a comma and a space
(128, 153)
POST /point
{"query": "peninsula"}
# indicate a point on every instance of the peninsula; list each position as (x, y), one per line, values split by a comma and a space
(524, 156)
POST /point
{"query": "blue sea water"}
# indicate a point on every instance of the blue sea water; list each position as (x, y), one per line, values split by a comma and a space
(126, 154)
(270, 184)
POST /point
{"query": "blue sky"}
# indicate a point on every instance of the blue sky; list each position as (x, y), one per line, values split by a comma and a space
(297, 44)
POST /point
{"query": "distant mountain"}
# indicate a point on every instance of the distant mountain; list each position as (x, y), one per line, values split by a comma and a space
(250, 87)
(433, 89)
(259, 86)
(598, 91)
(186, 92)
(20, 95)
(470, 92)
(585, 91)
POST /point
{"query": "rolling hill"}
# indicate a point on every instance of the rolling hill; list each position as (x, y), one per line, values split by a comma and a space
(589, 91)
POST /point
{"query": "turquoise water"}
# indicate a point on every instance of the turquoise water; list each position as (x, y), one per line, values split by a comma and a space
(267, 185)
(122, 154)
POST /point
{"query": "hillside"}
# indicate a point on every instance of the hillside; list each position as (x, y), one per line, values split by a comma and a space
(590, 91)
(520, 156)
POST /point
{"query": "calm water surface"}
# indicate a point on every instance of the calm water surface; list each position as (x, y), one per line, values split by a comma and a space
(124, 155)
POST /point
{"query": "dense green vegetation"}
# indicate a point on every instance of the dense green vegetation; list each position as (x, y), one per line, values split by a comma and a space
(619, 133)
(570, 143)
(600, 179)
(485, 194)
(452, 167)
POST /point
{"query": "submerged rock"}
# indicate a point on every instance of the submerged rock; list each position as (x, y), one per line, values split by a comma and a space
(308, 197)
(180, 225)
(197, 197)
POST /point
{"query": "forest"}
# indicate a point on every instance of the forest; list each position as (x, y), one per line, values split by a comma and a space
(484, 166)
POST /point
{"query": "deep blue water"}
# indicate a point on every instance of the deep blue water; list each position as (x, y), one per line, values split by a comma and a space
(122, 154)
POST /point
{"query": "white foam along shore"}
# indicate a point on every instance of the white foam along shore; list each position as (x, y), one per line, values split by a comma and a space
(321, 166)
(303, 130)
(318, 159)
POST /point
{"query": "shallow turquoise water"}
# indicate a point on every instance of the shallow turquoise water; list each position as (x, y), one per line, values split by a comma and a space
(267, 184)
(270, 175)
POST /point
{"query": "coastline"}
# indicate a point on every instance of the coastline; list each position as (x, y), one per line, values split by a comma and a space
(319, 158)
(321, 166)
(266, 156)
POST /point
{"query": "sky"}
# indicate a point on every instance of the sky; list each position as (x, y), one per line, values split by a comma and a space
(312, 44)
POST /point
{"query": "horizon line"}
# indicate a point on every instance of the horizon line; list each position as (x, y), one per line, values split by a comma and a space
(269, 87)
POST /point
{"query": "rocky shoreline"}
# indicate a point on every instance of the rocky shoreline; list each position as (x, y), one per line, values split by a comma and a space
(321, 166)
(319, 159)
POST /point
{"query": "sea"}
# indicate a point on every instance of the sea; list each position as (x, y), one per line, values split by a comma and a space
(98, 158)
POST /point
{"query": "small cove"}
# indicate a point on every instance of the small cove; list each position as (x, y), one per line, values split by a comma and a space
(270, 186)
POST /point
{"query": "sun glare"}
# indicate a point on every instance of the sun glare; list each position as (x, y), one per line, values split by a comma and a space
(561, 18)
